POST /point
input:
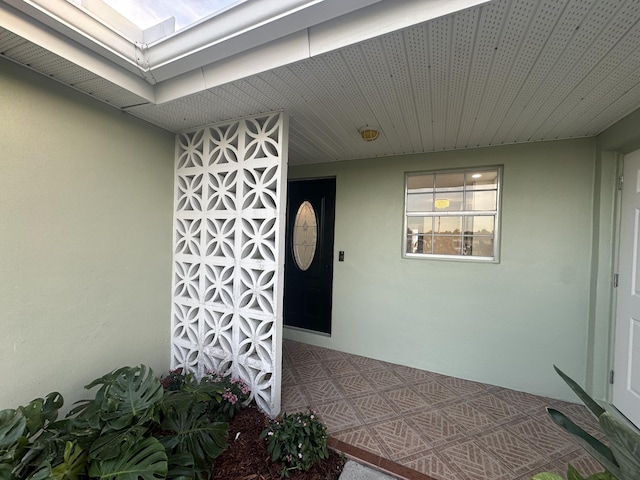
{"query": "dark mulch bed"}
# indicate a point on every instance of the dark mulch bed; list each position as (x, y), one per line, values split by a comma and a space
(247, 458)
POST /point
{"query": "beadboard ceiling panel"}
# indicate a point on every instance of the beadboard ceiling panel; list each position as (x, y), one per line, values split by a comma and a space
(508, 71)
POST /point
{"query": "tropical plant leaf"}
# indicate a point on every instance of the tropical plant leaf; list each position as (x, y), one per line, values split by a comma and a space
(176, 400)
(33, 414)
(130, 397)
(74, 465)
(13, 425)
(41, 412)
(590, 403)
(181, 466)
(6, 472)
(193, 433)
(625, 445)
(573, 474)
(593, 446)
(205, 392)
(146, 459)
(547, 476)
(601, 476)
(43, 473)
(110, 445)
(38, 456)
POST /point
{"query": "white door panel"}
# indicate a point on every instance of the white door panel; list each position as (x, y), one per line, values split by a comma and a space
(626, 388)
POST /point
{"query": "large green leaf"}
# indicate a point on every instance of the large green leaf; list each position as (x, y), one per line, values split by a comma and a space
(181, 466)
(129, 396)
(625, 444)
(110, 445)
(590, 403)
(593, 446)
(193, 433)
(43, 473)
(6, 472)
(547, 476)
(41, 412)
(45, 450)
(74, 465)
(12, 426)
(146, 459)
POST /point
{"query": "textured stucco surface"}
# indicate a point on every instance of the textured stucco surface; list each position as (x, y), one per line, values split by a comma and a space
(85, 249)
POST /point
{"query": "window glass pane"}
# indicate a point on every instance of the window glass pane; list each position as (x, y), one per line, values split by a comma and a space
(445, 225)
(482, 180)
(447, 245)
(482, 224)
(420, 182)
(478, 246)
(419, 244)
(420, 202)
(305, 236)
(452, 213)
(482, 200)
(417, 225)
(449, 181)
(448, 202)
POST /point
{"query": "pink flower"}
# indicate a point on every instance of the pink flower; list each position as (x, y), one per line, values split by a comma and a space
(232, 398)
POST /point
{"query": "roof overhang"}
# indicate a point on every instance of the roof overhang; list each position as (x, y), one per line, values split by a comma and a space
(230, 45)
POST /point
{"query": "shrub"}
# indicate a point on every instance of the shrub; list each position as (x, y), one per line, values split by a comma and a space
(621, 459)
(234, 394)
(131, 429)
(175, 380)
(297, 440)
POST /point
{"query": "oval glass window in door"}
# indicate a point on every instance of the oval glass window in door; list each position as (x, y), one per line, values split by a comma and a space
(305, 236)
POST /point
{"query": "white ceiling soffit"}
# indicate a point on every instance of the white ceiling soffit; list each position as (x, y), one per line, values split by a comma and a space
(505, 72)
(62, 39)
(510, 71)
(278, 32)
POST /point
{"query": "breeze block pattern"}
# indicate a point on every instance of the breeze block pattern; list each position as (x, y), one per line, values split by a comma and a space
(228, 267)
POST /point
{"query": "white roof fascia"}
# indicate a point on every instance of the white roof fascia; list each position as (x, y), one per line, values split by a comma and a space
(240, 29)
(33, 31)
(81, 27)
(283, 51)
(194, 59)
(370, 22)
(380, 19)
(119, 22)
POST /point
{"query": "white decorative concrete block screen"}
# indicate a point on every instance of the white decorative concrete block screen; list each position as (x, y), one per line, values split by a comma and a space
(230, 190)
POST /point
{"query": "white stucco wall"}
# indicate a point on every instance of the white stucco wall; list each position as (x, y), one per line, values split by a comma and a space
(503, 324)
(85, 242)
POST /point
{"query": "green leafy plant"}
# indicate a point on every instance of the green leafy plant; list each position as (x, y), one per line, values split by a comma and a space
(175, 379)
(297, 440)
(132, 429)
(621, 460)
(572, 474)
(235, 394)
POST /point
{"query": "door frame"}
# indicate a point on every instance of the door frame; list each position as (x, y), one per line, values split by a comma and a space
(626, 183)
(286, 253)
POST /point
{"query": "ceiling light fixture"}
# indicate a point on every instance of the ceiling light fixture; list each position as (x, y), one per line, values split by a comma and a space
(369, 134)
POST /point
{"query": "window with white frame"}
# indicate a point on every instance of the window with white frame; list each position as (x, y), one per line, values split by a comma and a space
(452, 214)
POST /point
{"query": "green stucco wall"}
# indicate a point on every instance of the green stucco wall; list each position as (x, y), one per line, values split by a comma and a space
(504, 323)
(85, 249)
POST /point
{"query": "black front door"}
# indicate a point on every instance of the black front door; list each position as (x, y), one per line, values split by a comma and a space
(308, 273)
